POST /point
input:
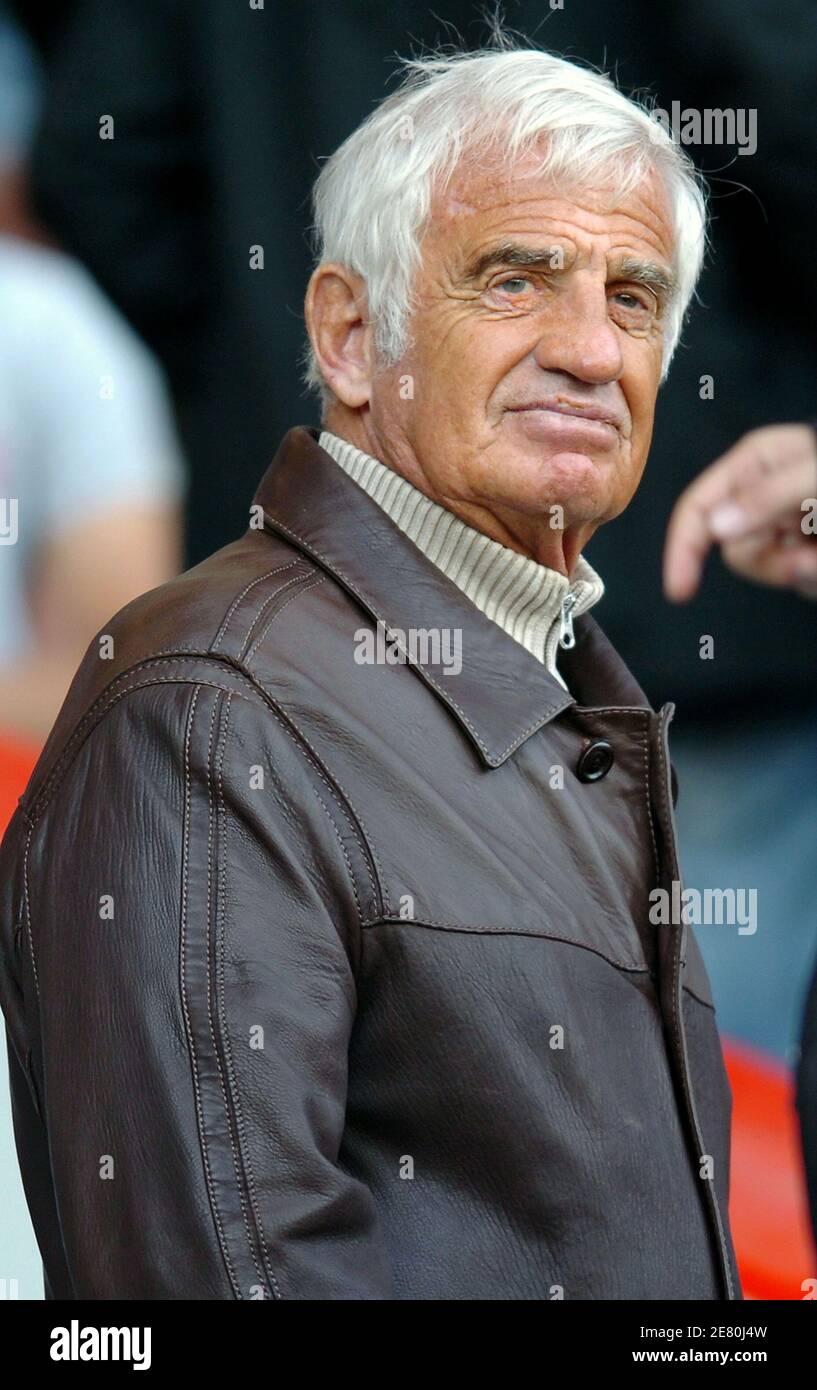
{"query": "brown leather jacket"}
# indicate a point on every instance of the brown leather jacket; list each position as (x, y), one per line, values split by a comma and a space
(317, 982)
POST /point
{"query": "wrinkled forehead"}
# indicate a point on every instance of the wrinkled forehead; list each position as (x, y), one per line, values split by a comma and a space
(491, 197)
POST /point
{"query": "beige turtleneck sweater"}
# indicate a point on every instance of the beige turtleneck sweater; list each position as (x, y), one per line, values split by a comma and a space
(522, 597)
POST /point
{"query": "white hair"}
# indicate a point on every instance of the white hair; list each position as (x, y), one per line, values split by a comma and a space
(373, 196)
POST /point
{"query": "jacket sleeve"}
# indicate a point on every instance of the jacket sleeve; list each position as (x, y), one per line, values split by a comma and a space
(194, 925)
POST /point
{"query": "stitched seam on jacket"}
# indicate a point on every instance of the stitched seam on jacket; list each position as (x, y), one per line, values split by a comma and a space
(446, 697)
(297, 580)
(225, 1253)
(240, 1155)
(264, 698)
(363, 846)
(310, 582)
(612, 709)
(383, 895)
(345, 854)
(655, 860)
(28, 908)
(685, 1069)
(98, 709)
(537, 724)
(366, 846)
(225, 622)
(480, 929)
(207, 922)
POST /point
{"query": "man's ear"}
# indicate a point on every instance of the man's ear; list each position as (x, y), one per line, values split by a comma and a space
(340, 332)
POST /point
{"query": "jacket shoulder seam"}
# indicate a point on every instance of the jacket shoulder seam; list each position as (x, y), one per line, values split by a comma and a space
(298, 562)
(110, 696)
(309, 581)
(107, 698)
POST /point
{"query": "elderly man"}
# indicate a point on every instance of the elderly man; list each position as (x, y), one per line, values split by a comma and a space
(331, 969)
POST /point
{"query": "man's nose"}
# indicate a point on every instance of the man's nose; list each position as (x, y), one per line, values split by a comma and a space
(579, 338)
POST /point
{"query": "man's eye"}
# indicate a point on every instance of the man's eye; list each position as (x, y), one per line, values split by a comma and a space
(631, 310)
(517, 284)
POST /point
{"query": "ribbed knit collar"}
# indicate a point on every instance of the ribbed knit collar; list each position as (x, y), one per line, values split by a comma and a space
(521, 596)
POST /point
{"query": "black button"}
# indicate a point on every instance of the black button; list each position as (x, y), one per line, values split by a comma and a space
(596, 761)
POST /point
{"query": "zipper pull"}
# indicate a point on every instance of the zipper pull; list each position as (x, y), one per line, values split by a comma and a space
(566, 637)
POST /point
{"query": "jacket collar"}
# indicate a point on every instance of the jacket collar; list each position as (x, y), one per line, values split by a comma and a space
(502, 694)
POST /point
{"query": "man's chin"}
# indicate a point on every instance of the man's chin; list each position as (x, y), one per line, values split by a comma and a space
(581, 484)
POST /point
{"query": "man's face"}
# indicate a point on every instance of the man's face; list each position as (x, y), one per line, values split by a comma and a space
(536, 355)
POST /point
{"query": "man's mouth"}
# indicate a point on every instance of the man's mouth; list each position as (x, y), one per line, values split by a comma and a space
(603, 414)
(577, 428)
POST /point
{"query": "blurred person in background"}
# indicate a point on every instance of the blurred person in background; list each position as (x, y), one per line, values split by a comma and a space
(91, 475)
